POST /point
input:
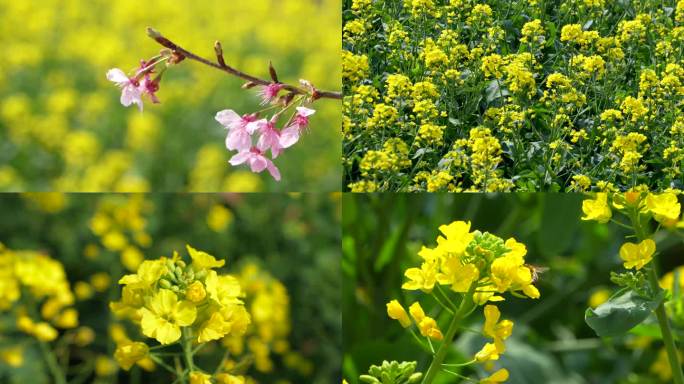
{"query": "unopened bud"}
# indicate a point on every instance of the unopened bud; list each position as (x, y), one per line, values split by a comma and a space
(153, 33)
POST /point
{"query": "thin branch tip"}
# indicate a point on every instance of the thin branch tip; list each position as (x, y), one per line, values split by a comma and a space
(153, 33)
(219, 53)
(252, 81)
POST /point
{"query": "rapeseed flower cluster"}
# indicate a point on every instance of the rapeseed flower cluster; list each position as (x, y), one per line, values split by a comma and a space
(477, 268)
(585, 96)
(177, 302)
(34, 287)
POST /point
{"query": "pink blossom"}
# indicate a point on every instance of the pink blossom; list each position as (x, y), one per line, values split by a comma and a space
(257, 162)
(239, 129)
(290, 135)
(269, 92)
(269, 136)
(130, 88)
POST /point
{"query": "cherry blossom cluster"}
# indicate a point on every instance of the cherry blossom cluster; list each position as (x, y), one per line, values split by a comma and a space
(251, 135)
(141, 83)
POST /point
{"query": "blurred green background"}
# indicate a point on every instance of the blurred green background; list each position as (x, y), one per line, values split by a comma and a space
(551, 342)
(62, 127)
(294, 238)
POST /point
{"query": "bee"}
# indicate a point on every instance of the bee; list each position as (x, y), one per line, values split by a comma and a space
(536, 271)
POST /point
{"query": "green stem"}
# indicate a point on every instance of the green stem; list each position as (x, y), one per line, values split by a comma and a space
(661, 315)
(187, 350)
(52, 364)
(668, 339)
(438, 358)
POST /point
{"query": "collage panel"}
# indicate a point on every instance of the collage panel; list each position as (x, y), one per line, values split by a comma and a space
(161, 288)
(101, 96)
(515, 288)
(500, 96)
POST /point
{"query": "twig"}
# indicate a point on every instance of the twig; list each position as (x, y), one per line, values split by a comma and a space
(221, 65)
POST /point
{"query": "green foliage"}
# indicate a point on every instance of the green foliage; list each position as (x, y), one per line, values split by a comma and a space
(621, 313)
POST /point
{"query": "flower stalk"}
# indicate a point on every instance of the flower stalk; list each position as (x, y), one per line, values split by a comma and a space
(220, 64)
(436, 365)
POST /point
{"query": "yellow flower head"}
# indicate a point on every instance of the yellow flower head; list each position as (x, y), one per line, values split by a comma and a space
(423, 278)
(637, 255)
(497, 330)
(163, 317)
(487, 353)
(456, 238)
(397, 312)
(597, 209)
(665, 207)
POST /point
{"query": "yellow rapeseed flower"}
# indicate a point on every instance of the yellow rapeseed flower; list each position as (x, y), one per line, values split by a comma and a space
(397, 312)
(164, 315)
(597, 209)
(637, 255)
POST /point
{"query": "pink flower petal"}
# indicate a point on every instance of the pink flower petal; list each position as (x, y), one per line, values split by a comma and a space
(273, 170)
(118, 76)
(228, 118)
(289, 136)
(240, 158)
(305, 112)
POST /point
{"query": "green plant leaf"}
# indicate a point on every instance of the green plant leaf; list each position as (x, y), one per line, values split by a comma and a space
(621, 313)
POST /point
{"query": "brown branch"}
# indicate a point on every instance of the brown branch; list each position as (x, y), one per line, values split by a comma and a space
(221, 65)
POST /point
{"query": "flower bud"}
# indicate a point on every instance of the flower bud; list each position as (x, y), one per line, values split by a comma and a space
(196, 292)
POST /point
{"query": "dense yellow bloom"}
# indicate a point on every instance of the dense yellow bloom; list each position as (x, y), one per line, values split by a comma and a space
(532, 32)
(597, 209)
(164, 316)
(354, 67)
(397, 312)
(637, 255)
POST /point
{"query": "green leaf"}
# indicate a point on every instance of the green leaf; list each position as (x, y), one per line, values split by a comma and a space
(388, 249)
(621, 313)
